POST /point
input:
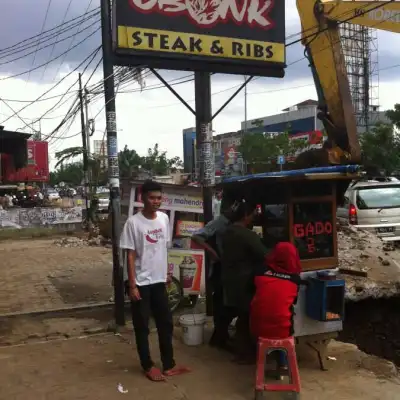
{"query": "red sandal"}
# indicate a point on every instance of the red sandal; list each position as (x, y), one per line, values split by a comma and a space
(155, 375)
(177, 370)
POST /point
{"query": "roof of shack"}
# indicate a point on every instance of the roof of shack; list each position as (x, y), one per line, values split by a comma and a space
(332, 172)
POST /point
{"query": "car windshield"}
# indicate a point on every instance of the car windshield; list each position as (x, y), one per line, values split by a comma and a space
(378, 197)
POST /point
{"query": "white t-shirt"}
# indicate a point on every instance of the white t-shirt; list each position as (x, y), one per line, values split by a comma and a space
(150, 239)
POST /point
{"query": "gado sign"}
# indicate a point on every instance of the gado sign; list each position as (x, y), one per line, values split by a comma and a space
(238, 36)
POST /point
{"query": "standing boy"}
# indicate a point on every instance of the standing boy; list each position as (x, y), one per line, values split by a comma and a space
(146, 237)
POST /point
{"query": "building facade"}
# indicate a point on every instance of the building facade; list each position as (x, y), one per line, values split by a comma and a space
(189, 150)
(300, 118)
(227, 158)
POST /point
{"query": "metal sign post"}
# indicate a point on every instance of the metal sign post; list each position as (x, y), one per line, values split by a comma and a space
(204, 141)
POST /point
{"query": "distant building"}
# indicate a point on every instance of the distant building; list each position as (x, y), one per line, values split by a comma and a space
(300, 118)
(189, 150)
(228, 160)
(100, 150)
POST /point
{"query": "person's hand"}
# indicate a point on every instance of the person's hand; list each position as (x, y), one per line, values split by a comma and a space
(169, 279)
(134, 294)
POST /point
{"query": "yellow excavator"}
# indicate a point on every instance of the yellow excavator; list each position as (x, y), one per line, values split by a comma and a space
(320, 21)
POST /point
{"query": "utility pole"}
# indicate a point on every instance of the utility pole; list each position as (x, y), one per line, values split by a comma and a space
(87, 133)
(85, 154)
(245, 105)
(113, 170)
(204, 142)
(86, 98)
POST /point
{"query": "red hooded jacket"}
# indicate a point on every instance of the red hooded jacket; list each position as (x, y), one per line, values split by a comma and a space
(271, 311)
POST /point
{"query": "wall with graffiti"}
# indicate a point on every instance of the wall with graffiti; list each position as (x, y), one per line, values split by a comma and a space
(19, 218)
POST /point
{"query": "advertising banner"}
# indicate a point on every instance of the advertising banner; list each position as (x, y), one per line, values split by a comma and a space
(37, 169)
(187, 228)
(229, 36)
(190, 265)
(183, 202)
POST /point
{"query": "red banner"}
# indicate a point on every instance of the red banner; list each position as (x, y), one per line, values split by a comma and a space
(37, 168)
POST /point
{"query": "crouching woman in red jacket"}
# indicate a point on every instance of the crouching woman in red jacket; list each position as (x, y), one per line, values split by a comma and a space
(277, 286)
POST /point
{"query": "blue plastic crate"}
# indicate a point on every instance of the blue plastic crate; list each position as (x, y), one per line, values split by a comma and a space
(325, 299)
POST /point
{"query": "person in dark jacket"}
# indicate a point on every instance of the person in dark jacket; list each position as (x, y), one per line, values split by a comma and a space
(210, 239)
(242, 252)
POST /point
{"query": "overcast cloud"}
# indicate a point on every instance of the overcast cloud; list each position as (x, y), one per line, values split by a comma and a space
(21, 19)
(154, 115)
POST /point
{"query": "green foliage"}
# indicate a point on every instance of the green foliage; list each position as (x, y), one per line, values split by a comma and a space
(381, 148)
(71, 173)
(129, 161)
(67, 154)
(394, 115)
(260, 150)
(158, 163)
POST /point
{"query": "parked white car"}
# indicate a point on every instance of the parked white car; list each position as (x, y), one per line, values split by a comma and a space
(52, 195)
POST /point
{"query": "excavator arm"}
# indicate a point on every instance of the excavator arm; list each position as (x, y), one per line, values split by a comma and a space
(320, 20)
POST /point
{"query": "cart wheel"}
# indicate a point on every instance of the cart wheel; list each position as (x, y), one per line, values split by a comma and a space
(175, 294)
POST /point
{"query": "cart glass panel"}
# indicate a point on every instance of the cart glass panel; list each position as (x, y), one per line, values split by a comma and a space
(313, 230)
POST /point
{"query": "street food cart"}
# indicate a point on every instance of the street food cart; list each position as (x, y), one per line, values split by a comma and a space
(299, 206)
(184, 207)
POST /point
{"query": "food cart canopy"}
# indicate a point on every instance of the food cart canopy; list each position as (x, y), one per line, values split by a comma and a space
(309, 173)
(271, 187)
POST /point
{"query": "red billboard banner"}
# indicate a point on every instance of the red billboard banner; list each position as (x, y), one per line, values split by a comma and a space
(37, 168)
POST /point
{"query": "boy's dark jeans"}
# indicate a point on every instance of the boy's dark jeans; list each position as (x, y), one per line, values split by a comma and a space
(154, 302)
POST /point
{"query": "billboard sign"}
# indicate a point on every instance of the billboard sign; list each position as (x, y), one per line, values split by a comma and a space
(229, 36)
(37, 169)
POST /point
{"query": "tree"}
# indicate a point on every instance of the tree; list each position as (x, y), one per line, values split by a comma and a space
(129, 161)
(394, 115)
(260, 150)
(158, 163)
(68, 154)
(381, 148)
(72, 174)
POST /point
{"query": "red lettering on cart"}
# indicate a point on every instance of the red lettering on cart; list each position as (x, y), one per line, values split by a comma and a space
(311, 245)
(312, 229)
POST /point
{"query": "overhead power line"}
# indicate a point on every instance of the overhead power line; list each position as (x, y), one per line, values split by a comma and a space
(54, 86)
(49, 32)
(41, 31)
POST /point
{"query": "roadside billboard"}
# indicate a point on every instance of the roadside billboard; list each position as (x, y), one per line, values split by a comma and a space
(229, 36)
(37, 169)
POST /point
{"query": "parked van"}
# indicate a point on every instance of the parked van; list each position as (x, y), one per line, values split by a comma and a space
(373, 206)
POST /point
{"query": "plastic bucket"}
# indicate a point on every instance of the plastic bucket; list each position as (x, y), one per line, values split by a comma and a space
(187, 275)
(193, 328)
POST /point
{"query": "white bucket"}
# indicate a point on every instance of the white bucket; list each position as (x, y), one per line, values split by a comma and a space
(193, 328)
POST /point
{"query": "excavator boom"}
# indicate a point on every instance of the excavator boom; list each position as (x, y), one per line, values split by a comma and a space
(320, 22)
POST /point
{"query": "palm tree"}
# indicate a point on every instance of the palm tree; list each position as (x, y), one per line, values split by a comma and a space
(68, 154)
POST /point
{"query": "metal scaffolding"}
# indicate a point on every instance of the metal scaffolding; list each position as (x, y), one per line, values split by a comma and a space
(360, 49)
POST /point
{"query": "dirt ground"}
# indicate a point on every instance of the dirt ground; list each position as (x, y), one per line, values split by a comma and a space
(92, 368)
(38, 275)
(72, 357)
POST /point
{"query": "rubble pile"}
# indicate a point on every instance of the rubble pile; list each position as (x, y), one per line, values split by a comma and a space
(372, 275)
(368, 265)
(70, 242)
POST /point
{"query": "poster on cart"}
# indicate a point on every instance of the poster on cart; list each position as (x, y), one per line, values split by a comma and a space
(189, 266)
(187, 228)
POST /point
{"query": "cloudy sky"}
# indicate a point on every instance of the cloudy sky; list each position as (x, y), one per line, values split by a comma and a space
(145, 117)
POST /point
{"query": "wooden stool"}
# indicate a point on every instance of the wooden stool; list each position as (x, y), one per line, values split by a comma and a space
(265, 347)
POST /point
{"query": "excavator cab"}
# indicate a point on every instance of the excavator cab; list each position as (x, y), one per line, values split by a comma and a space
(320, 21)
